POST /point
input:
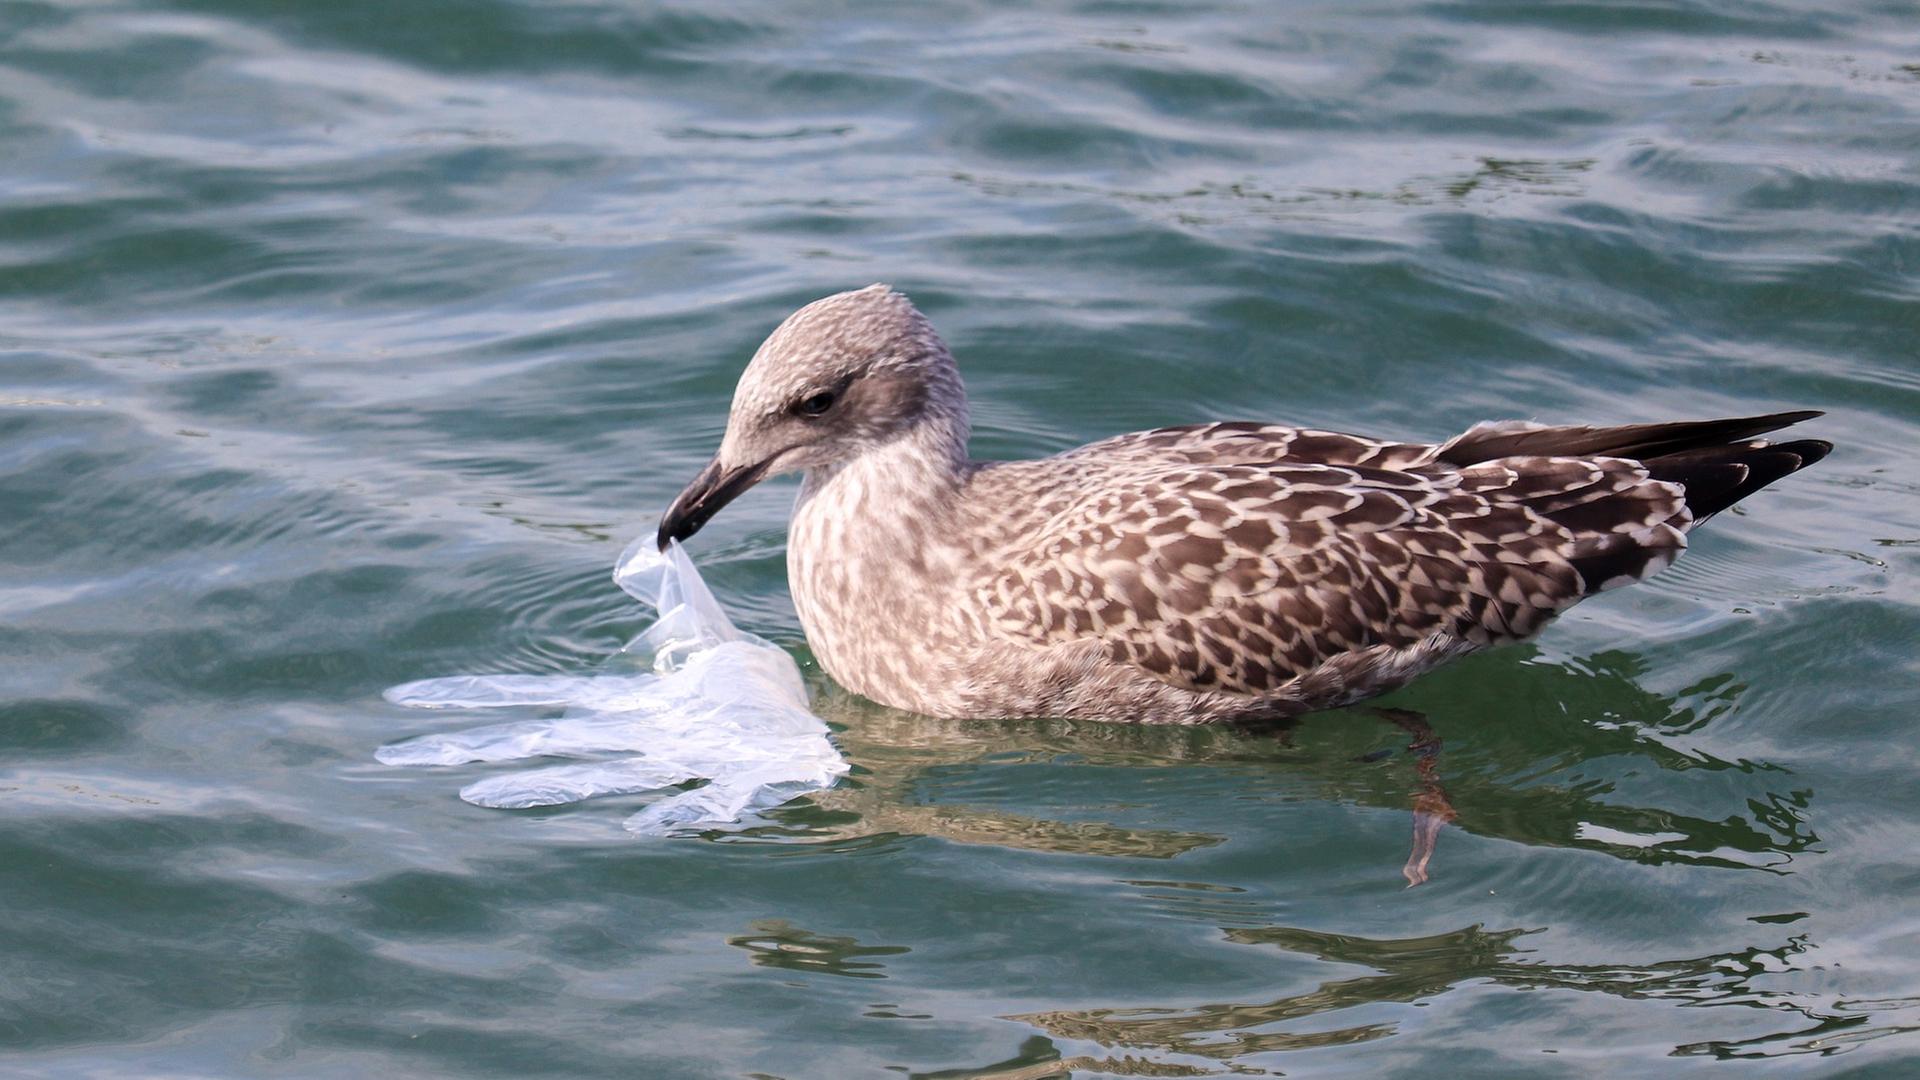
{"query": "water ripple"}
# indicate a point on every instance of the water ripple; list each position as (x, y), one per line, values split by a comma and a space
(342, 344)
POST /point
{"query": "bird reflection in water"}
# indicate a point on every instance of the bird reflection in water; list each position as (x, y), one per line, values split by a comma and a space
(1414, 970)
(1561, 765)
(1553, 769)
(777, 943)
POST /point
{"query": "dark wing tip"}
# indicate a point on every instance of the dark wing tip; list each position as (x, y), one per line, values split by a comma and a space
(1808, 451)
(1637, 441)
(1716, 477)
(1798, 416)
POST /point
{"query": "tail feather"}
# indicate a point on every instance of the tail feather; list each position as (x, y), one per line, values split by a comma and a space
(1485, 442)
(1623, 527)
(1717, 462)
(1717, 477)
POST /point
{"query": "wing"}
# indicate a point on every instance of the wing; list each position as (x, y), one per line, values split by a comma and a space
(1235, 557)
(1244, 443)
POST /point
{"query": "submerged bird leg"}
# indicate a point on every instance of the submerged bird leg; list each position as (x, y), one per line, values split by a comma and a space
(1431, 807)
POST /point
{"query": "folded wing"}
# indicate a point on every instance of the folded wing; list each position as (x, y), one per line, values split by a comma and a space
(1234, 557)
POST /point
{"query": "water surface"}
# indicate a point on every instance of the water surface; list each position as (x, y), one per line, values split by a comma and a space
(344, 344)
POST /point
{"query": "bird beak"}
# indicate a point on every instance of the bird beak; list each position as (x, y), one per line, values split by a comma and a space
(714, 488)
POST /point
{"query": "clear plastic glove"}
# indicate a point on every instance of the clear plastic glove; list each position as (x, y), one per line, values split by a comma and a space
(691, 698)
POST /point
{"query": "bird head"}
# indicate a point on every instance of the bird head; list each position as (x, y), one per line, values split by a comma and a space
(840, 377)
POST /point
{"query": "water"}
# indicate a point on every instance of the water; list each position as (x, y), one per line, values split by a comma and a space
(345, 344)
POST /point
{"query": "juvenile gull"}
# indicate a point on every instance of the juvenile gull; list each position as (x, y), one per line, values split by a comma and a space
(1186, 575)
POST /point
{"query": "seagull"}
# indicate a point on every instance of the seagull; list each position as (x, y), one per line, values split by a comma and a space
(1218, 572)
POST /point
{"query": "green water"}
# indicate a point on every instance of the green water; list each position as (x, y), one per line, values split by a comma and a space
(343, 344)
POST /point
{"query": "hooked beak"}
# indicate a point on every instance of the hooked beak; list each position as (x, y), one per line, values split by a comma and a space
(714, 488)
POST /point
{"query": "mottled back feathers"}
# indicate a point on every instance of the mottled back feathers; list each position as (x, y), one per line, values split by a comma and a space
(1236, 557)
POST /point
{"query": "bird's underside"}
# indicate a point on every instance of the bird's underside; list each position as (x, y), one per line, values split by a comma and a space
(1266, 569)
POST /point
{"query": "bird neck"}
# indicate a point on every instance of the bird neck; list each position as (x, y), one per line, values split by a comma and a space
(944, 428)
(876, 535)
(917, 472)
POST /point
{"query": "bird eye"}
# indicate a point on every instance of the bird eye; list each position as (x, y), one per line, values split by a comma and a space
(817, 405)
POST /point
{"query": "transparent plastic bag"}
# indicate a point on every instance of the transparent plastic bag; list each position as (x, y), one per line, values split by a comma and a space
(691, 698)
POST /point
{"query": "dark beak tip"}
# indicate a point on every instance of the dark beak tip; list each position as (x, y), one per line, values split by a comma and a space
(674, 525)
(711, 490)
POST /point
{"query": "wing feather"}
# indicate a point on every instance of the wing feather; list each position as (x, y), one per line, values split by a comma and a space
(1236, 557)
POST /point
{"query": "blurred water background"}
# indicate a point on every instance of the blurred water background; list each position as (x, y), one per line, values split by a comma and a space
(345, 343)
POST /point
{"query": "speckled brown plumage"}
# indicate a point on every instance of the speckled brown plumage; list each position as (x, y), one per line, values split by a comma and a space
(1183, 575)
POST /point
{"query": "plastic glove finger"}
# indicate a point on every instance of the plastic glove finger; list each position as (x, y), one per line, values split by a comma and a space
(571, 783)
